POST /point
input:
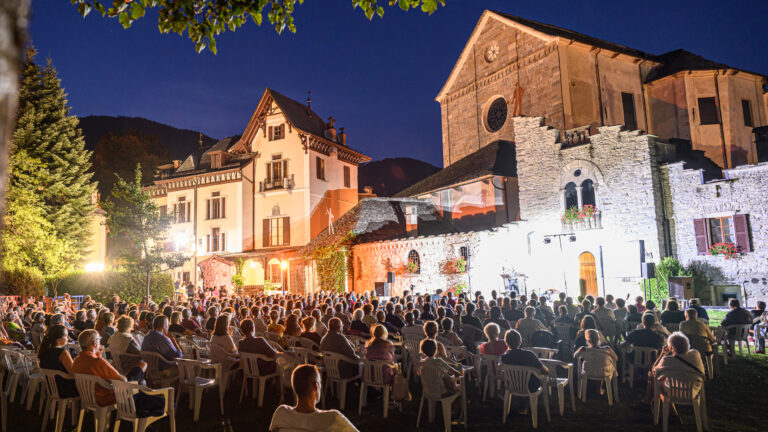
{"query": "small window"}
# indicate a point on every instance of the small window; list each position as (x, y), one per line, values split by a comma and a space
(215, 161)
(571, 198)
(215, 240)
(628, 103)
(215, 206)
(721, 230)
(746, 109)
(276, 132)
(708, 111)
(347, 177)
(320, 167)
(414, 261)
(588, 193)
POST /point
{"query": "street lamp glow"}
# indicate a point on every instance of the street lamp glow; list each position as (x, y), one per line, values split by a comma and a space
(94, 267)
(180, 239)
(284, 265)
(252, 264)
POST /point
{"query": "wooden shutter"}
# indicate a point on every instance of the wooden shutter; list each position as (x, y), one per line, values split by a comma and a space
(207, 209)
(270, 133)
(265, 233)
(208, 243)
(269, 172)
(223, 213)
(285, 169)
(189, 212)
(223, 245)
(702, 240)
(741, 231)
(286, 230)
(175, 212)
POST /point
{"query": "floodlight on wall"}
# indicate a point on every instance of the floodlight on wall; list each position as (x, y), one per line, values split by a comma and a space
(284, 265)
(252, 264)
(547, 240)
(94, 267)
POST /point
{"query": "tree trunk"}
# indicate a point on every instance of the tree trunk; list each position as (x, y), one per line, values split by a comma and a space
(13, 33)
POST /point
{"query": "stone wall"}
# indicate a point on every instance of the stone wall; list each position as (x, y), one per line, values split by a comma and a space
(523, 60)
(743, 192)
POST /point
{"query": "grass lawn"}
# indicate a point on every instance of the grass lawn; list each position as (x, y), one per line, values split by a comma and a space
(716, 316)
(734, 399)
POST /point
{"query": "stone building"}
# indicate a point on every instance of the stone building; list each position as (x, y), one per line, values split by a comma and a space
(514, 66)
(260, 196)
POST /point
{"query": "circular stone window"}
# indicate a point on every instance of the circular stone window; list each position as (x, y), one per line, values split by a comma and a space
(577, 173)
(496, 115)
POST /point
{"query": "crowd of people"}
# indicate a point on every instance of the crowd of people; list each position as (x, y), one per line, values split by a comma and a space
(472, 325)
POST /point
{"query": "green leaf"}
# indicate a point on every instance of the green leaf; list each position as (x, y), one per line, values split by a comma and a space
(137, 10)
(84, 9)
(99, 8)
(124, 19)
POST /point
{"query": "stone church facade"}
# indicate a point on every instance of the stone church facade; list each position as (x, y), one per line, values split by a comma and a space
(604, 159)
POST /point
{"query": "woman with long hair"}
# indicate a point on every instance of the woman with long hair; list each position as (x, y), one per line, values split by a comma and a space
(379, 347)
(222, 347)
(52, 354)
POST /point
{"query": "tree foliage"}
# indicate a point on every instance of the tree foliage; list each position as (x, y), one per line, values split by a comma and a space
(133, 214)
(49, 136)
(203, 20)
(101, 286)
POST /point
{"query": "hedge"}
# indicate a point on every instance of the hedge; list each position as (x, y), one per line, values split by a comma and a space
(102, 286)
(21, 282)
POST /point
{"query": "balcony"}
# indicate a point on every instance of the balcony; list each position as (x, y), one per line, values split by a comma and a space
(271, 184)
(587, 218)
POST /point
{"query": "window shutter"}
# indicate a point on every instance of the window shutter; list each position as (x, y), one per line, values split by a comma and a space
(741, 230)
(286, 230)
(208, 243)
(269, 171)
(270, 133)
(223, 245)
(223, 213)
(285, 168)
(189, 211)
(207, 209)
(700, 231)
(176, 212)
(265, 233)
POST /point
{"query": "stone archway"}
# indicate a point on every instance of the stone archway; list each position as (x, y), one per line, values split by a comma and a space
(217, 272)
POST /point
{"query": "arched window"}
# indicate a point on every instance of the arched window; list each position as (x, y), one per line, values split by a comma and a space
(414, 263)
(571, 198)
(588, 193)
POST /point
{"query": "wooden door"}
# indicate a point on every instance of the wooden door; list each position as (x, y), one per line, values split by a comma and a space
(587, 274)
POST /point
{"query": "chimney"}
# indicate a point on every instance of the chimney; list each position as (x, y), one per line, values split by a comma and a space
(176, 163)
(330, 133)
(343, 137)
(200, 142)
(368, 190)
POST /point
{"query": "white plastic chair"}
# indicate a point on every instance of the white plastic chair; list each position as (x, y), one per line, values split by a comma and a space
(286, 363)
(681, 388)
(516, 379)
(672, 327)
(544, 353)
(332, 361)
(373, 377)
(411, 344)
(155, 376)
(738, 333)
(28, 375)
(191, 381)
(9, 361)
(434, 390)
(123, 361)
(86, 386)
(638, 358)
(609, 329)
(126, 408)
(707, 352)
(54, 402)
(491, 378)
(189, 349)
(592, 364)
(560, 383)
(250, 364)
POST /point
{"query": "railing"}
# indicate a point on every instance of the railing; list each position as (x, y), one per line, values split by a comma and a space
(584, 223)
(270, 184)
(576, 136)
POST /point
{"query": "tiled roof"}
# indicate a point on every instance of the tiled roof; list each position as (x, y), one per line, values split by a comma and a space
(300, 115)
(552, 30)
(682, 60)
(378, 219)
(497, 158)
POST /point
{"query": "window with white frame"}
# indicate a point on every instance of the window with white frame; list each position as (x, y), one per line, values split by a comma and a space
(215, 206)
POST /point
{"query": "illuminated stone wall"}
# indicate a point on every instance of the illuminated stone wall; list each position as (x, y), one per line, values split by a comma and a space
(743, 192)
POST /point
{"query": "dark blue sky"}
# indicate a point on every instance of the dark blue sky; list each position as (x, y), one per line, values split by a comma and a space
(378, 79)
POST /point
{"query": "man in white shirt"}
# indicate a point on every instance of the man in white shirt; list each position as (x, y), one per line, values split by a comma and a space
(305, 381)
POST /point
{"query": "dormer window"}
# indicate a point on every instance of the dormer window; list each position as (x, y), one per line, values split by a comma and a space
(277, 132)
(216, 161)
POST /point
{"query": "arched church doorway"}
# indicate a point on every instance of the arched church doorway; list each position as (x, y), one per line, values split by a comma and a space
(587, 274)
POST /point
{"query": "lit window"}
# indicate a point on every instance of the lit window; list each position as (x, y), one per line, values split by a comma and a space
(721, 230)
(320, 167)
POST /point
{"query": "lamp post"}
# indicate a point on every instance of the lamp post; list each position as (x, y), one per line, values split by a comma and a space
(283, 266)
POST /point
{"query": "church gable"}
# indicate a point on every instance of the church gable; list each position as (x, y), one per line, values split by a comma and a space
(495, 46)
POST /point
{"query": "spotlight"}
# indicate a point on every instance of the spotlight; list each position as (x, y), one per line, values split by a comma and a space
(547, 240)
(572, 238)
(93, 267)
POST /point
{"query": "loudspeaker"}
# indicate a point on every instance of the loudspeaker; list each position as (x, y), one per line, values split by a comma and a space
(379, 288)
(391, 277)
(681, 287)
(648, 270)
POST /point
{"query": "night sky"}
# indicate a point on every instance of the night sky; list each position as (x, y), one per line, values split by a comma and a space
(378, 79)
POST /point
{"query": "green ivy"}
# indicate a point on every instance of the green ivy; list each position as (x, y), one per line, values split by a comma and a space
(331, 263)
